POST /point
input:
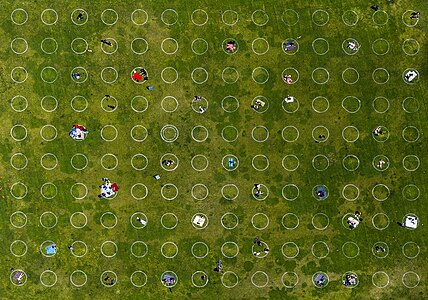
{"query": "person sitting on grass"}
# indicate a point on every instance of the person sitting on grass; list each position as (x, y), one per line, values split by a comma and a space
(231, 46)
(415, 15)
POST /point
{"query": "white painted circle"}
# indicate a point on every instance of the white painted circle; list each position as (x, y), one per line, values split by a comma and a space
(317, 40)
(197, 186)
(12, 18)
(412, 157)
(114, 46)
(290, 23)
(195, 245)
(80, 272)
(49, 10)
(139, 243)
(80, 214)
(290, 185)
(265, 16)
(167, 11)
(378, 110)
(19, 184)
(166, 244)
(139, 52)
(266, 43)
(318, 11)
(232, 274)
(18, 212)
(76, 185)
(230, 243)
(48, 213)
(350, 185)
(266, 160)
(231, 227)
(79, 110)
(109, 10)
(407, 128)
(227, 156)
(266, 218)
(320, 214)
(346, 22)
(43, 193)
(19, 97)
(169, 127)
(25, 245)
(107, 155)
(378, 12)
(320, 256)
(260, 140)
(406, 275)
(317, 157)
(374, 222)
(235, 18)
(46, 40)
(196, 11)
(83, 70)
(108, 69)
(350, 273)
(317, 99)
(292, 215)
(106, 127)
(380, 185)
(16, 155)
(407, 109)
(260, 285)
(408, 41)
(350, 128)
(316, 275)
(199, 140)
(232, 70)
(198, 273)
(79, 40)
(351, 111)
(262, 69)
(19, 40)
(294, 128)
(131, 278)
(108, 272)
(383, 274)
(197, 70)
(353, 245)
(175, 160)
(230, 185)
(266, 194)
(166, 99)
(136, 156)
(383, 245)
(380, 40)
(265, 100)
(43, 106)
(79, 10)
(84, 245)
(169, 40)
(295, 103)
(16, 69)
(352, 70)
(79, 155)
(175, 279)
(407, 70)
(48, 272)
(350, 157)
(49, 155)
(293, 284)
(293, 244)
(199, 40)
(285, 71)
(377, 160)
(322, 70)
(234, 99)
(47, 139)
(293, 157)
(224, 45)
(380, 70)
(136, 186)
(403, 249)
(317, 139)
(411, 186)
(110, 243)
(139, 24)
(166, 215)
(13, 282)
(167, 186)
(345, 48)
(166, 70)
(108, 213)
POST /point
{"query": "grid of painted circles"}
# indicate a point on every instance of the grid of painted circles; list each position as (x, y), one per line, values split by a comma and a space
(169, 272)
(18, 40)
(18, 69)
(265, 130)
(139, 243)
(166, 70)
(198, 186)
(345, 46)
(48, 139)
(414, 158)
(199, 11)
(293, 215)
(266, 194)
(140, 215)
(410, 273)
(139, 273)
(196, 157)
(405, 72)
(78, 213)
(414, 187)
(384, 246)
(24, 245)
(116, 103)
(348, 98)
(169, 11)
(196, 245)
(230, 12)
(83, 70)
(199, 274)
(109, 11)
(380, 40)
(383, 186)
(21, 156)
(46, 213)
(320, 256)
(22, 282)
(138, 185)
(49, 10)
(108, 213)
(108, 243)
(169, 127)
(265, 15)
(198, 70)
(199, 214)
(383, 216)
(108, 273)
(353, 186)
(292, 285)
(324, 283)
(257, 273)
(291, 185)
(196, 139)
(229, 214)
(263, 157)
(352, 158)
(176, 162)
(356, 278)
(230, 185)
(19, 184)
(12, 18)
(15, 98)
(351, 70)
(169, 40)
(292, 23)
(262, 215)
(167, 215)
(77, 11)
(167, 186)
(139, 11)
(320, 11)
(324, 216)
(346, 22)
(286, 71)
(77, 185)
(378, 12)
(407, 41)
(48, 285)
(260, 40)
(385, 275)
(228, 244)
(106, 127)
(51, 155)
(79, 40)
(45, 98)
(114, 46)
(318, 40)
(168, 244)
(410, 244)
(322, 70)
(78, 272)
(48, 184)
(353, 245)
(108, 69)
(18, 212)
(380, 70)
(139, 52)
(292, 244)
(407, 128)
(78, 110)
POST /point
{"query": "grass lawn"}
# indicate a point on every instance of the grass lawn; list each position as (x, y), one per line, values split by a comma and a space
(322, 140)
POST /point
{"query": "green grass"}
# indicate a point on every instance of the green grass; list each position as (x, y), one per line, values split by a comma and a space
(275, 177)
